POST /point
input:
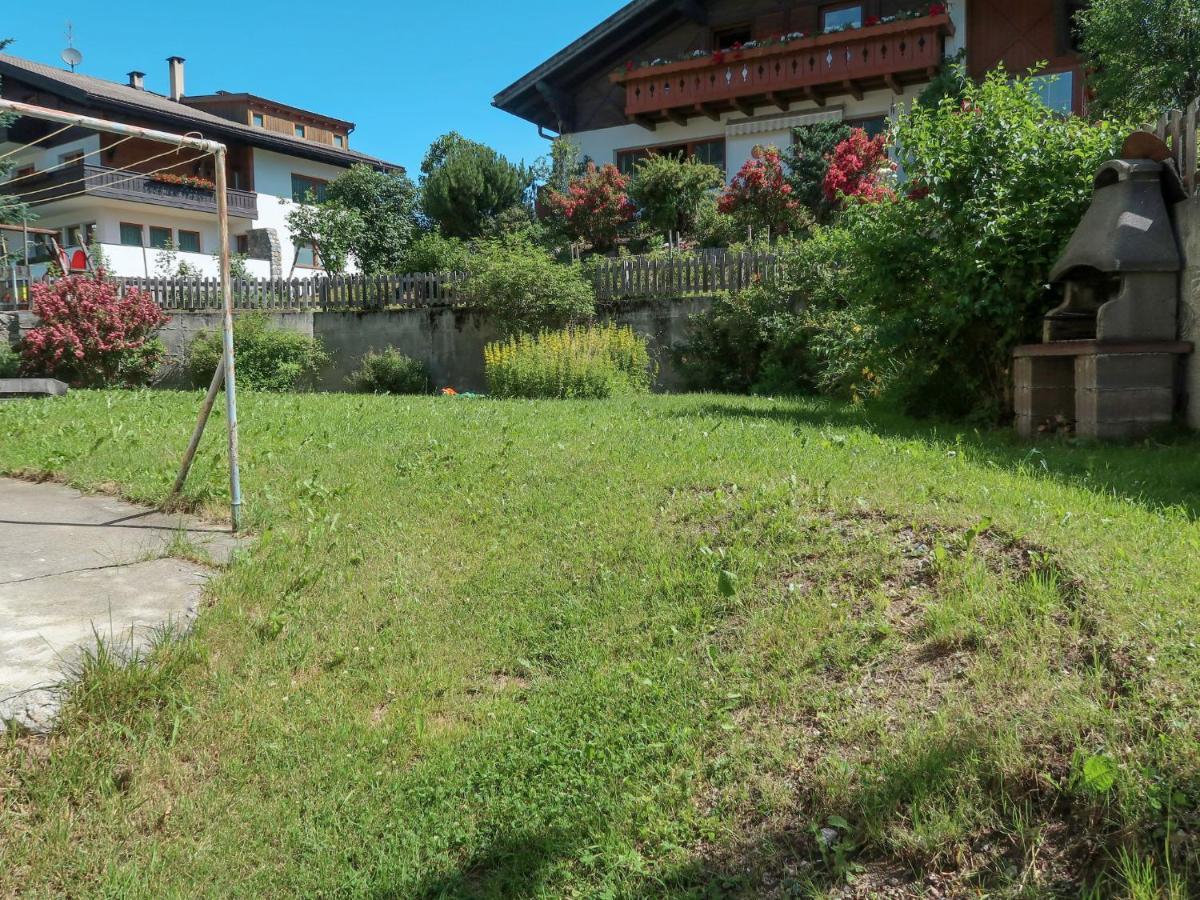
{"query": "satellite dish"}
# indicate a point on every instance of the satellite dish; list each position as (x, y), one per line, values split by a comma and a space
(72, 57)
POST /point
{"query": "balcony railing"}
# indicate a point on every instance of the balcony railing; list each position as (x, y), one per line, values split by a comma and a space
(890, 55)
(114, 184)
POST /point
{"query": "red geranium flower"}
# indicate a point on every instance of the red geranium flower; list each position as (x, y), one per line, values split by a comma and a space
(937, 9)
(871, 20)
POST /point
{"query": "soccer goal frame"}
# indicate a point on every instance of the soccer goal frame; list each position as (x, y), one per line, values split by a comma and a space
(226, 373)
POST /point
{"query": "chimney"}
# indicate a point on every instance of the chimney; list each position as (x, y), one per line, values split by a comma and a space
(137, 80)
(175, 66)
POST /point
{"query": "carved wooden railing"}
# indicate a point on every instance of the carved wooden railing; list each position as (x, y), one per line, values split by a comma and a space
(848, 62)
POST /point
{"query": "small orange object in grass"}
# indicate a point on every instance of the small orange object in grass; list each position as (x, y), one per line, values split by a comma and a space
(449, 392)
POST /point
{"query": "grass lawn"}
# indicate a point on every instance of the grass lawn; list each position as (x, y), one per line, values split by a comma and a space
(671, 646)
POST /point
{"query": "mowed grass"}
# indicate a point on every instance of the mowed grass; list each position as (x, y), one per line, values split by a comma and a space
(690, 646)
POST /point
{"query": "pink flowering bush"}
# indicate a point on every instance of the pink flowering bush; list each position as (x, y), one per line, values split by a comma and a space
(595, 207)
(760, 197)
(92, 335)
(858, 168)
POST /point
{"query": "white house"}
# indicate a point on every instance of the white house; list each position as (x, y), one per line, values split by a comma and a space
(102, 190)
(714, 78)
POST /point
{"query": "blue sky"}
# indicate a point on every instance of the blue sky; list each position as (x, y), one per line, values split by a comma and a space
(405, 72)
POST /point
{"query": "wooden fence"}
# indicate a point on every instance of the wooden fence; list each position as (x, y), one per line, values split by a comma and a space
(709, 272)
(348, 293)
(631, 278)
(1178, 128)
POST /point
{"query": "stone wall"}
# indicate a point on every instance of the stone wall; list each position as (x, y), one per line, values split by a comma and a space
(1187, 219)
(449, 341)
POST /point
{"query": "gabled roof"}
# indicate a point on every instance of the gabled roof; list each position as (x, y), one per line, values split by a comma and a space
(595, 51)
(123, 99)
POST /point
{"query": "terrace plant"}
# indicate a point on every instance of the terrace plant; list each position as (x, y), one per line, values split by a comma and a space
(595, 207)
(670, 192)
(92, 334)
(761, 199)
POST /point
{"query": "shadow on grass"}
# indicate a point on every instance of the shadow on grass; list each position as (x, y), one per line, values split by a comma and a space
(515, 866)
(1157, 473)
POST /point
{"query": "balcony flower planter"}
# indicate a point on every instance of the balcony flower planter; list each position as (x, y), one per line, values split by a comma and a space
(791, 67)
(192, 182)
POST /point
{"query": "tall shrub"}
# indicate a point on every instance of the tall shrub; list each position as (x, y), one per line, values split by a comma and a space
(465, 185)
(595, 206)
(574, 363)
(524, 288)
(808, 162)
(670, 192)
(760, 197)
(91, 334)
(952, 277)
(1143, 55)
(385, 203)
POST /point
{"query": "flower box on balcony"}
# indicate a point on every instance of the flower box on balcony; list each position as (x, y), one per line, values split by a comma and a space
(888, 55)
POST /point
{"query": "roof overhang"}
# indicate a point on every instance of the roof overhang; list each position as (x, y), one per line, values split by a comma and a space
(541, 96)
(211, 129)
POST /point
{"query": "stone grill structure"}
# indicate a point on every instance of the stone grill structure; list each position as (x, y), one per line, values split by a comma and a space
(1109, 365)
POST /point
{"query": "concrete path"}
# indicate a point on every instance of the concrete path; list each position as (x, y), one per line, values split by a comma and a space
(74, 566)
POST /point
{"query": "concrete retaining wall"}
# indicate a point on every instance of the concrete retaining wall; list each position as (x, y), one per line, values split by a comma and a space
(450, 342)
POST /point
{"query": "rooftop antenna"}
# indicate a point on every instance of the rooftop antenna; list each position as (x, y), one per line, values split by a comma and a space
(71, 56)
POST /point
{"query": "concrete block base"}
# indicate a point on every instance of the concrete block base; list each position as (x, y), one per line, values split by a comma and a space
(1100, 390)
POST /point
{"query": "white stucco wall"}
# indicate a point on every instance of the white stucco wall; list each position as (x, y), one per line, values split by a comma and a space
(273, 182)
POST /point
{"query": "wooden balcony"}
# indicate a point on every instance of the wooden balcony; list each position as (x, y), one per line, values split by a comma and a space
(893, 55)
(114, 184)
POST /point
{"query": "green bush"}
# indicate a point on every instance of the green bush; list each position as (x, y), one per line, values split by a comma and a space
(391, 372)
(524, 288)
(433, 252)
(670, 191)
(573, 363)
(808, 163)
(266, 359)
(751, 342)
(10, 362)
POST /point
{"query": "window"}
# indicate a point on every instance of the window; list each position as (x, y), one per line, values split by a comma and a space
(189, 241)
(842, 16)
(873, 125)
(160, 238)
(304, 188)
(258, 120)
(710, 151)
(74, 156)
(726, 38)
(306, 256)
(131, 235)
(339, 141)
(78, 235)
(1057, 90)
(300, 132)
(241, 244)
(24, 172)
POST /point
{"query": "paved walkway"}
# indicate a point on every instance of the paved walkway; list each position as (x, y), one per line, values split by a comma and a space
(74, 566)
